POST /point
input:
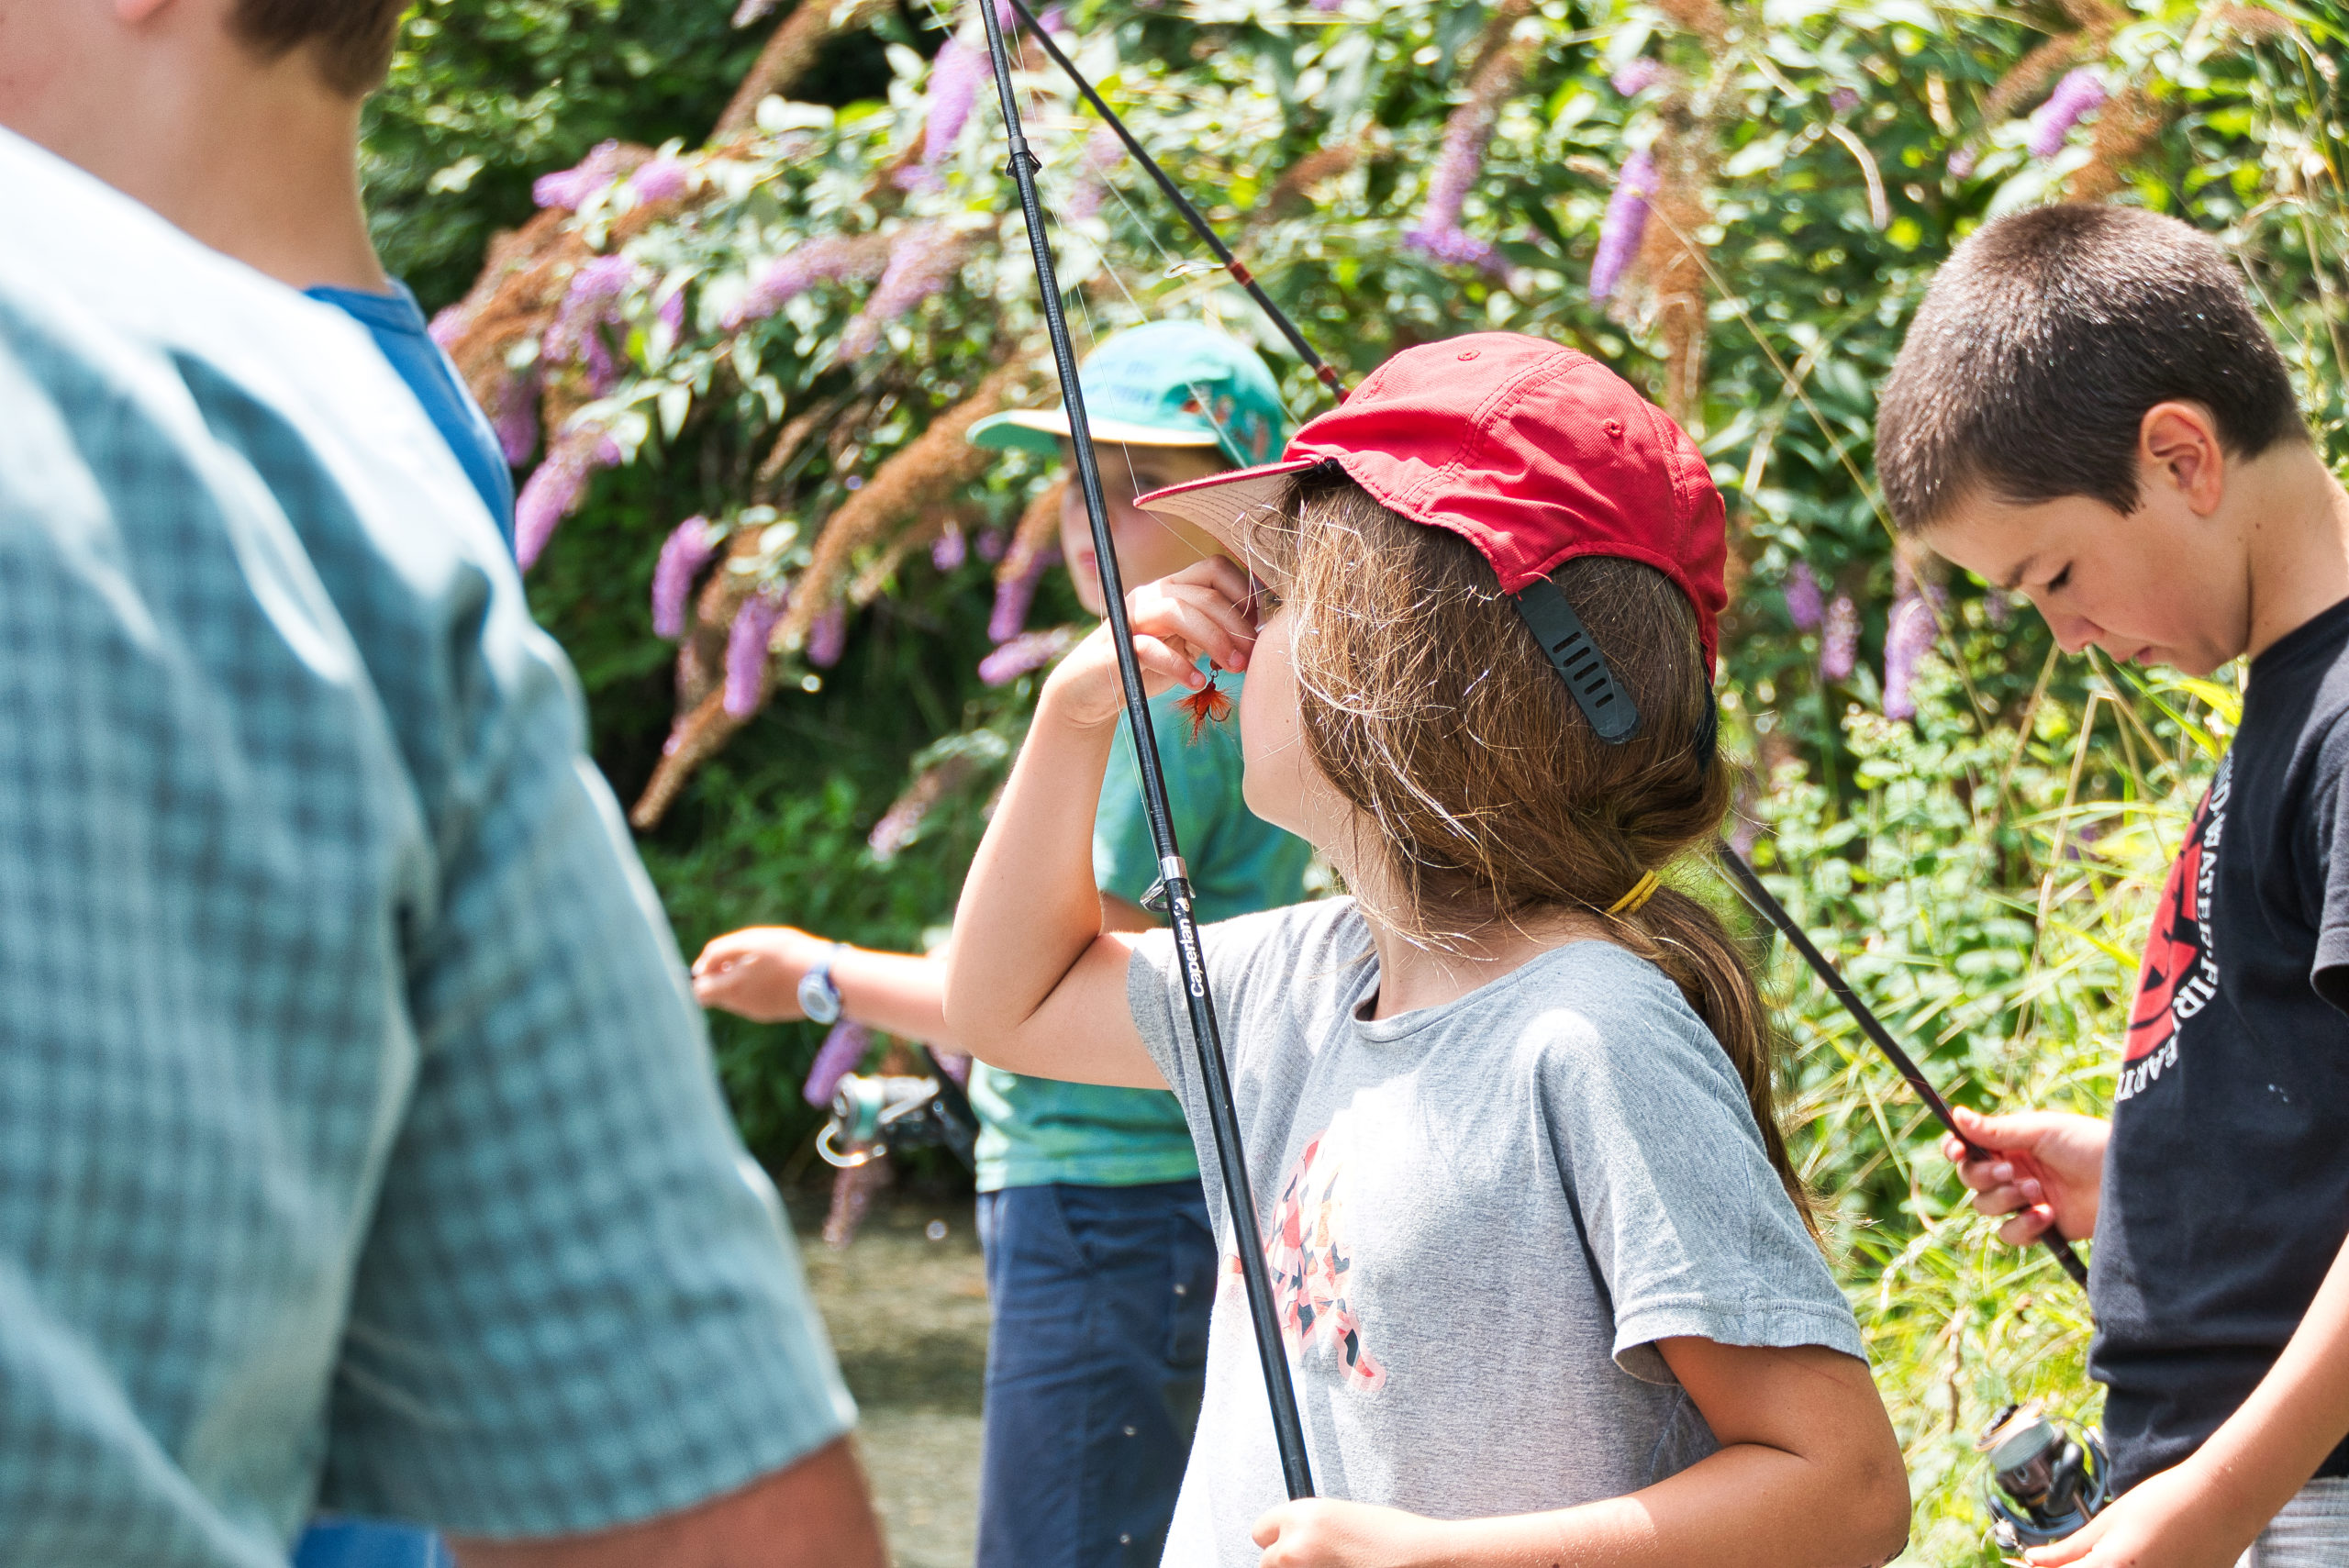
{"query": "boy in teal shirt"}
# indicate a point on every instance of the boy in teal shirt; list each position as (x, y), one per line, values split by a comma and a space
(1100, 1257)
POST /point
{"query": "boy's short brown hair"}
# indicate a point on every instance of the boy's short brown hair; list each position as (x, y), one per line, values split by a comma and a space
(350, 40)
(2040, 346)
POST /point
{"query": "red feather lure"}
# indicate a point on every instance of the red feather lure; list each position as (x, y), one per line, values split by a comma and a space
(1209, 705)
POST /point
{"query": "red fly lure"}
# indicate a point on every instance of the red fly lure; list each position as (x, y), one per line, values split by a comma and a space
(1209, 705)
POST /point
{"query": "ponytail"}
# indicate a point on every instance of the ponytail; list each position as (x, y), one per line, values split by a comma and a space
(1683, 937)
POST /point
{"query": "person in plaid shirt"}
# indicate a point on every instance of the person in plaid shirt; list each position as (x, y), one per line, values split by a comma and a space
(361, 1148)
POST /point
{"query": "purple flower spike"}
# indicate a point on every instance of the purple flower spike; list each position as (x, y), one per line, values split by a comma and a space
(1842, 101)
(921, 262)
(682, 555)
(842, 1053)
(1907, 639)
(959, 70)
(512, 403)
(783, 278)
(1626, 221)
(449, 325)
(1637, 76)
(1839, 647)
(1962, 164)
(992, 542)
(1025, 654)
(571, 187)
(589, 305)
(949, 550)
(746, 650)
(663, 179)
(555, 489)
(673, 312)
(1453, 245)
(828, 638)
(1805, 607)
(1012, 598)
(516, 429)
(2074, 95)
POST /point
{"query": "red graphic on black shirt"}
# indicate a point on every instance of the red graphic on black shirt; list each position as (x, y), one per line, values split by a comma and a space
(2180, 973)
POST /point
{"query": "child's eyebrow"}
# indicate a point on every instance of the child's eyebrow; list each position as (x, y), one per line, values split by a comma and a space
(2014, 579)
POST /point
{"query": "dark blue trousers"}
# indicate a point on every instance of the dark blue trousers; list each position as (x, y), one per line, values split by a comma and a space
(1096, 1363)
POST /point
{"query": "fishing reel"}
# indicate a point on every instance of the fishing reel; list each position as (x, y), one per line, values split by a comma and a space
(873, 1114)
(2047, 1478)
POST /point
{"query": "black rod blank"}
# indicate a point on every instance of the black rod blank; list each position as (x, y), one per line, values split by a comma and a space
(1767, 904)
(1288, 1429)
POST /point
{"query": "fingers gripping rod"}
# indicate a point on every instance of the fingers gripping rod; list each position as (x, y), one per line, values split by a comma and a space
(1288, 1429)
(1230, 263)
(1766, 902)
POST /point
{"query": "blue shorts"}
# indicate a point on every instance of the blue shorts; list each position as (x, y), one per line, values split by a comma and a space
(1096, 1363)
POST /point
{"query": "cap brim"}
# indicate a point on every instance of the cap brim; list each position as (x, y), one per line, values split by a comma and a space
(1223, 504)
(1042, 430)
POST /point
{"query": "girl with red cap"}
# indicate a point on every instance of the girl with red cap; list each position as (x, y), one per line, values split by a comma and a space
(1543, 1268)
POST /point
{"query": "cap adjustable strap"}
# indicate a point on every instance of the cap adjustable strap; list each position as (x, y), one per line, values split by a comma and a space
(1563, 637)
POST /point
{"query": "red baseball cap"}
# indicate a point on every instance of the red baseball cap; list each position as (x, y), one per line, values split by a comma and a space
(1534, 453)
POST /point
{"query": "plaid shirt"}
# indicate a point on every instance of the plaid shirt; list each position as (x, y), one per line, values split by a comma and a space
(359, 1143)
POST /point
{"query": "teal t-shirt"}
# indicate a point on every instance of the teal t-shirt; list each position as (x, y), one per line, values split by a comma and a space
(1037, 1130)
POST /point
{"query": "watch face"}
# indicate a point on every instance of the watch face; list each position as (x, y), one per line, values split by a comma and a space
(819, 998)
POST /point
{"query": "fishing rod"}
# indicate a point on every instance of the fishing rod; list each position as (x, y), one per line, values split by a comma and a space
(1182, 204)
(1766, 903)
(1740, 872)
(1174, 883)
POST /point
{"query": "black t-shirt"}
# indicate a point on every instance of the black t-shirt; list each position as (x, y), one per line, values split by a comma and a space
(2226, 1186)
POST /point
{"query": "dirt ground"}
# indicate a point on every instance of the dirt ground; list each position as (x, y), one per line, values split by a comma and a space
(908, 1316)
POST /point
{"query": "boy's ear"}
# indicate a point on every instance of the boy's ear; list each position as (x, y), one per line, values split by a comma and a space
(2179, 445)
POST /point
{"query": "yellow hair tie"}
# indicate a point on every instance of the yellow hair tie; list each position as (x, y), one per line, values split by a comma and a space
(1641, 891)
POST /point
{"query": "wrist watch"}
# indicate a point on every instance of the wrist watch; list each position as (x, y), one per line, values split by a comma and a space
(818, 997)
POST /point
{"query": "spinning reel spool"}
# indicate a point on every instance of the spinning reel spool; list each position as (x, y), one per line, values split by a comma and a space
(874, 1114)
(2047, 1478)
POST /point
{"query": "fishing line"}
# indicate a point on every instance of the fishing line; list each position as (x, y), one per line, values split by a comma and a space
(1175, 884)
(2044, 1484)
(1199, 226)
(1740, 872)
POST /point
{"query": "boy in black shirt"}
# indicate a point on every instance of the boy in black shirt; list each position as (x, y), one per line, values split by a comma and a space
(2087, 410)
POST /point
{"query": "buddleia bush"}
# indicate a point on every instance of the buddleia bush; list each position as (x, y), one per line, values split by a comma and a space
(734, 371)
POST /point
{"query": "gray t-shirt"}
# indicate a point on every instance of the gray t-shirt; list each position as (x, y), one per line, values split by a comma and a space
(1479, 1217)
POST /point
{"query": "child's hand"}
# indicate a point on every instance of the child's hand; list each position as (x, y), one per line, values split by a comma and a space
(2048, 1164)
(1321, 1532)
(756, 972)
(2175, 1520)
(1196, 613)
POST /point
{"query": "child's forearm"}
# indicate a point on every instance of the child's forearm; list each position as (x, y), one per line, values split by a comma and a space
(1749, 1504)
(1030, 909)
(901, 993)
(2267, 1450)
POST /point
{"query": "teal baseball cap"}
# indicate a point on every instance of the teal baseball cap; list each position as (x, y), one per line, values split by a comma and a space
(1167, 384)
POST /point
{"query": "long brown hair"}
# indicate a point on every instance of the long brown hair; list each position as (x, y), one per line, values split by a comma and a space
(1428, 704)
